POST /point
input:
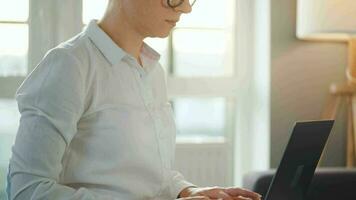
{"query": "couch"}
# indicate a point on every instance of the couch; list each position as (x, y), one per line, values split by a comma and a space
(327, 183)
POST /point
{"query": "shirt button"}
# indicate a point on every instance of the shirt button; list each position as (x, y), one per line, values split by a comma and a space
(140, 73)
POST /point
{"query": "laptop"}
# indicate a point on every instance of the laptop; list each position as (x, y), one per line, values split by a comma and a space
(301, 157)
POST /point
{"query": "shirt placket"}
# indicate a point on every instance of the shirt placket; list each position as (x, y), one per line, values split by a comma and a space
(156, 114)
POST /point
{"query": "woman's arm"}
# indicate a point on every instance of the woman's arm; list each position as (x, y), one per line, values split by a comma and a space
(179, 184)
(51, 101)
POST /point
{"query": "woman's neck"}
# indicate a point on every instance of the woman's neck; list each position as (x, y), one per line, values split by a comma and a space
(122, 33)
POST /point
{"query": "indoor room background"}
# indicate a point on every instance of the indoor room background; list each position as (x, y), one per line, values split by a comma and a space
(238, 79)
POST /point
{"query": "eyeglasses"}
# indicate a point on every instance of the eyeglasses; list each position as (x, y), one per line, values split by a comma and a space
(176, 3)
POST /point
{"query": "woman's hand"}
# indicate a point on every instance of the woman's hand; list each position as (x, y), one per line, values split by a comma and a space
(195, 198)
(231, 193)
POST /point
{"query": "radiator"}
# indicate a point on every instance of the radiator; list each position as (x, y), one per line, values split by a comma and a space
(205, 164)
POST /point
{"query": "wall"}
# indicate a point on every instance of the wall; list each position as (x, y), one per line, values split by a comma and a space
(301, 73)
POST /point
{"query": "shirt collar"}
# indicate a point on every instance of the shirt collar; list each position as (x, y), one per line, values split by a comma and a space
(111, 51)
(104, 43)
(147, 51)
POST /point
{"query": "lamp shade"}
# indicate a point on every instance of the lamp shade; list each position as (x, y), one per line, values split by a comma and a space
(326, 19)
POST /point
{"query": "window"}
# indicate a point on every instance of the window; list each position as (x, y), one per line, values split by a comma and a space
(200, 50)
(14, 45)
(13, 63)
(14, 37)
(93, 9)
(199, 117)
(203, 35)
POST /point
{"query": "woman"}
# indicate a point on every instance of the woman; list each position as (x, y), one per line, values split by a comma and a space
(95, 122)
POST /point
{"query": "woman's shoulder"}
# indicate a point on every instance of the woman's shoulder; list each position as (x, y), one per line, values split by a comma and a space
(65, 63)
(74, 54)
(75, 48)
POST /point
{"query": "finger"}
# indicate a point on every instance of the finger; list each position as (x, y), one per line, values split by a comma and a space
(235, 192)
(241, 198)
(236, 198)
(195, 198)
(222, 195)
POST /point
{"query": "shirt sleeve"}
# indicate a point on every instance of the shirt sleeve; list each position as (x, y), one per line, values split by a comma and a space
(51, 101)
(178, 183)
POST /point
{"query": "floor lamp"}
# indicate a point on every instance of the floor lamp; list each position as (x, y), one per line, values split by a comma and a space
(335, 21)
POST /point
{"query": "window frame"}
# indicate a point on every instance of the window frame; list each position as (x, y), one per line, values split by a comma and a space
(208, 87)
(44, 25)
(8, 84)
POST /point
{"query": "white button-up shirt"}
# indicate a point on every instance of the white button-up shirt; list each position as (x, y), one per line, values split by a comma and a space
(94, 125)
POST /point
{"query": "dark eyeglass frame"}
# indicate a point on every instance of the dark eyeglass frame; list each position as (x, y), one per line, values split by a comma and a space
(178, 4)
